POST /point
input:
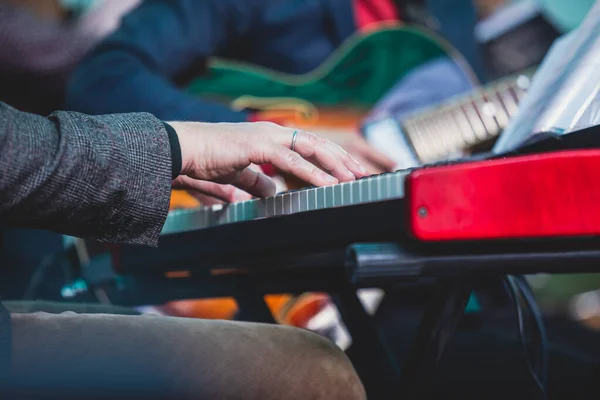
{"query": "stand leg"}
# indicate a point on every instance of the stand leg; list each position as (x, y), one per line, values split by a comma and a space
(252, 307)
(374, 363)
(434, 333)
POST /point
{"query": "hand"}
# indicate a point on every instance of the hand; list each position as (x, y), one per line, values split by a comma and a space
(375, 161)
(216, 158)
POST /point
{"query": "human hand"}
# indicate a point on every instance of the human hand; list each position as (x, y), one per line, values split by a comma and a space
(374, 161)
(216, 158)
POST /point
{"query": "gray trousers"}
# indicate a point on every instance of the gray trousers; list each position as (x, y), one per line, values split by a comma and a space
(89, 352)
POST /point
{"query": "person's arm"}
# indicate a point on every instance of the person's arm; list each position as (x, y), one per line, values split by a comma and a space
(109, 178)
(106, 178)
(133, 69)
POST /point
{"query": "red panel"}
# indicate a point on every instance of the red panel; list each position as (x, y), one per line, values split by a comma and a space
(543, 195)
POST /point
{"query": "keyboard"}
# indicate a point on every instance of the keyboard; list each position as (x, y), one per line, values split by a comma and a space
(370, 189)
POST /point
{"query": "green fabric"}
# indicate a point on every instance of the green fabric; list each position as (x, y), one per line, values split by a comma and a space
(359, 73)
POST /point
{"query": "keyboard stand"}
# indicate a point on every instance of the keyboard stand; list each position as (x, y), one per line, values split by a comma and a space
(434, 333)
(378, 369)
(340, 272)
(437, 325)
(252, 306)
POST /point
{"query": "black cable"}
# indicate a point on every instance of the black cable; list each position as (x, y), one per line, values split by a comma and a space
(536, 313)
(515, 293)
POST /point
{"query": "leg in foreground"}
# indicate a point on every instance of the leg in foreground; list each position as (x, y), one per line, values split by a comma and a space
(101, 356)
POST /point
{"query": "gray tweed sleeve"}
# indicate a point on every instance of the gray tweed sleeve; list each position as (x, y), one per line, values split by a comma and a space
(106, 178)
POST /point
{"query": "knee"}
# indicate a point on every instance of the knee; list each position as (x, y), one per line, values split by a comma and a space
(327, 371)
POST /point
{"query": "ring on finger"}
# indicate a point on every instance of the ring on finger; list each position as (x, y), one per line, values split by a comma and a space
(294, 137)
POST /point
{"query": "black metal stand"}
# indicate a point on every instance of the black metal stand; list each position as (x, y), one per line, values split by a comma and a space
(434, 333)
(374, 363)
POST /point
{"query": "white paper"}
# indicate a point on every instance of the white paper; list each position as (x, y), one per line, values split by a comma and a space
(563, 95)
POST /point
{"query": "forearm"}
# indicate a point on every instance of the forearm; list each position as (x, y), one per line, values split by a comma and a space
(106, 178)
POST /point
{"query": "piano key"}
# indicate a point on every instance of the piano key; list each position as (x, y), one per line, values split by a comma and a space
(320, 198)
(261, 208)
(304, 200)
(278, 205)
(390, 183)
(270, 206)
(329, 196)
(229, 215)
(357, 192)
(347, 192)
(295, 200)
(287, 203)
(237, 213)
(247, 208)
(214, 215)
(338, 196)
(312, 199)
(399, 184)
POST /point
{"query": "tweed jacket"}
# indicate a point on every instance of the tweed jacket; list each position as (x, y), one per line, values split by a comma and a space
(106, 178)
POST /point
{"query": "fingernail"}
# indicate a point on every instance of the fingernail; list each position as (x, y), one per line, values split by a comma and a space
(363, 169)
(330, 179)
(241, 196)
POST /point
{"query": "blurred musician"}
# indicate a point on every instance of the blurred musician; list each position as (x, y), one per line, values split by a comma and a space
(109, 178)
(41, 42)
(162, 45)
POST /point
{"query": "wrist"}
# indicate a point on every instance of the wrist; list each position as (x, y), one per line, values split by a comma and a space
(186, 141)
(175, 151)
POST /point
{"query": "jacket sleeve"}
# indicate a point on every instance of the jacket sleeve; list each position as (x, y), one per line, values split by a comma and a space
(106, 178)
(156, 44)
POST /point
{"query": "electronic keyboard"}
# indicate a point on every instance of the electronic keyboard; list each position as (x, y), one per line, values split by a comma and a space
(515, 201)
(374, 188)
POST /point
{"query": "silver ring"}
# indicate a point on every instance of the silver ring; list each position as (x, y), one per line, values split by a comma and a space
(294, 137)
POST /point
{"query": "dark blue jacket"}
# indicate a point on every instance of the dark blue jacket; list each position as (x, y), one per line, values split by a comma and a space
(163, 44)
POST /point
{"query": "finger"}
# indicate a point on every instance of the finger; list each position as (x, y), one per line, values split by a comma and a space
(255, 183)
(228, 178)
(256, 168)
(369, 167)
(205, 199)
(200, 188)
(354, 164)
(309, 145)
(375, 156)
(293, 163)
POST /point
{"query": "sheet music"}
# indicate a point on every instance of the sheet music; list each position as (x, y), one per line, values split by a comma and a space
(563, 95)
